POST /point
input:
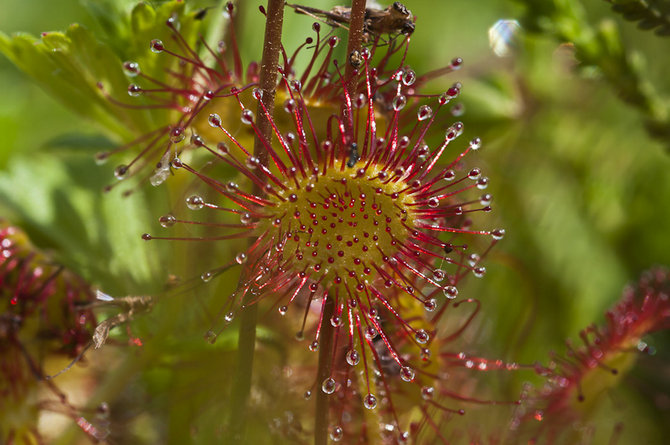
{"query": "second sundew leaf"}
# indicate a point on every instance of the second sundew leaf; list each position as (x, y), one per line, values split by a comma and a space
(87, 76)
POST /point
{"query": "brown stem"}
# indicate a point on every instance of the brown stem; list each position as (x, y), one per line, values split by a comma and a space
(323, 372)
(249, 312)
(354, 43)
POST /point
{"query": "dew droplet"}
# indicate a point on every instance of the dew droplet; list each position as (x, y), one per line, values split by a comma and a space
(439, 275)
(479, 271)
(407, 374)
(328, 385)
(370, 401)
(134, 90)
(399, 102)
(450, 292)
(336, 433)
(214, 120)
(425, 112)
(427, 392)
(131, 69)
(353, 358)
(289, 105)
(421, 336)
(195, 202)
(482, 183)
(282, 310)
(157, 46)
(246, 219)
(475, 144)
(177, 134)
(430, 305)
(229, 317)
(498, 234)
(370, 333)
(314, 346)
(241, 258)
(307, 394)
(168, 220)
(247, 116)
(121, 172)
(207, 276)
(408, 77)
(336, 321)
(473, 259)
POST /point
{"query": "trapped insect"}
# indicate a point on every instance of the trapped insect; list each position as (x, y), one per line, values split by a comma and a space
(395, 19)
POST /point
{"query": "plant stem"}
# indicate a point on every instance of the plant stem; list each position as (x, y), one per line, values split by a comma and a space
(354, 43)
(323, 372)
(249, 312)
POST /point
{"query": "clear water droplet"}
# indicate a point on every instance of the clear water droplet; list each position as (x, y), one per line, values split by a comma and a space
(370, 401)
(498, 234)
(157, 46)
(314, 346)
(246, 219)
(353, 358)
(328, 386)
(241, 258)
(134, 90)
(214, 120)
(450, 292)
(425, 112)
(121, 172)
(195, 202)
(336, 433)
(247, 116)
(427, 392)
(407, 374)
(282, 310)
(421, 336)
(430, 305)
(408, 77)
(168, 220)
(229, 317)
(479, 271)
(131, 69)
(399, 102)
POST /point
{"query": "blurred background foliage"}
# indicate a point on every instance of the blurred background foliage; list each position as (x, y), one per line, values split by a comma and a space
(576, 129)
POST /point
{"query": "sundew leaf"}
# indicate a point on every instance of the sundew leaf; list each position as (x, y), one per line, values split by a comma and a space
(73, 65)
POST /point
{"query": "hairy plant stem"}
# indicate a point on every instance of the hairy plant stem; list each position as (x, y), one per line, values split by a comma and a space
(321, 426)
(354, 43)
(322, 373)
(249, 313)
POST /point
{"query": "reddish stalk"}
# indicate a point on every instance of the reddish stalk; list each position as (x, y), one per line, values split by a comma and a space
(249, 312)
(354, 43)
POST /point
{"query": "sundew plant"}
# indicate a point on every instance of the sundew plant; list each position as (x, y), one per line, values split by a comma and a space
(276, 223)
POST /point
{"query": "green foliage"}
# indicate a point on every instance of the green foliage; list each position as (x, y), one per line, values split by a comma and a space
(649, 14)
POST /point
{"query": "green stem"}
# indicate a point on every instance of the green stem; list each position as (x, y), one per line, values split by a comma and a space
(249, 312)
(323, 372)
